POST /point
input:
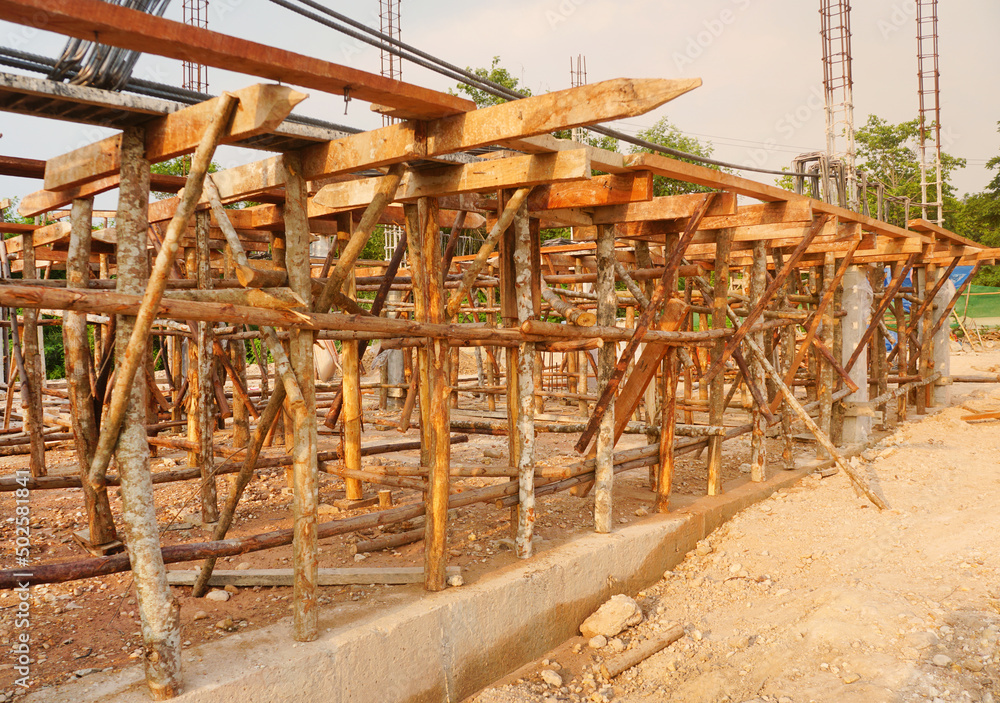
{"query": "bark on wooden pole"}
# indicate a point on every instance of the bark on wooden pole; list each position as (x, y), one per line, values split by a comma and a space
(305, 501)
(758, 446)
(525, 391)
(158, 611)
(351, 381)
(607, 309)
(31, 393)
(78, 377)
(153, 293)
(201, 416)
(824, 376)
(717, 386)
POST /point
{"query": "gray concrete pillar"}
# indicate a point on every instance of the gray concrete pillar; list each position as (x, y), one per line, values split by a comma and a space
(942, 344)
(857, 303)
(394, 366)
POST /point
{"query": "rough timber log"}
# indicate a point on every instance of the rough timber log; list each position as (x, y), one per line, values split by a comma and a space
(159, 611)
(406, 141)
(153, 293)
(261, 108)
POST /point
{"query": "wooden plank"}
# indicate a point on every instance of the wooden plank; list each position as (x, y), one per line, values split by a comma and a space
(598, 191)
(602, 159)
(46, 234)
(665, 208)
(562, 109)
(260, 110)
(450, 180)
(130, 29)
(388, 576)
(702, 175)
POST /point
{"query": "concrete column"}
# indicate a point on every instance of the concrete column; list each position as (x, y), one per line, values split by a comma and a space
(942, 345)
(394, 364)
(857, 303)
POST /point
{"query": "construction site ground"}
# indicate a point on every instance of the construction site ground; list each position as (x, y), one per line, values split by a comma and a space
(815, 596)
(825, 588)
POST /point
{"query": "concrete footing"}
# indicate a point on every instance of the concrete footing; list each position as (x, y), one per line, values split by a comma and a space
(445, 646)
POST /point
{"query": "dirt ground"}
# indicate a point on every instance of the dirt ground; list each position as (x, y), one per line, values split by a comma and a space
(814, 595)
(83, 627)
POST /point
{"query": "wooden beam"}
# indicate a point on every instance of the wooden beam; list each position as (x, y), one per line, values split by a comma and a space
(139, 31)
(260, 110)
(562, 109)
(516, 172)
(598, 191)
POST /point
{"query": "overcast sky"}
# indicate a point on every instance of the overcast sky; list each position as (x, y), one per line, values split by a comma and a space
(760, 60)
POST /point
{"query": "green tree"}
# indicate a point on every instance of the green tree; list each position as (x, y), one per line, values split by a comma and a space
(889, 153)
(979, 220)
(499, 75)
(666, 134)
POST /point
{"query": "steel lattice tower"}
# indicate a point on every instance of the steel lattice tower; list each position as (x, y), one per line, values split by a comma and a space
(195, 75)
(838, 87)
(929, 92)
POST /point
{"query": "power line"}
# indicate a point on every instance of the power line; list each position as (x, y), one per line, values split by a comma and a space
(433, 63)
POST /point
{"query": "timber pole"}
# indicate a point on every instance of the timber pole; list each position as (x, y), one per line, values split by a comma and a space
(305, 494)
(152, 295)
(78, 369)
(607, 309)
(158, 610)
(526, 360)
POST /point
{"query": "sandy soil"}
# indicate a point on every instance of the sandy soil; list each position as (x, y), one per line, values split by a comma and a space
(814, 595)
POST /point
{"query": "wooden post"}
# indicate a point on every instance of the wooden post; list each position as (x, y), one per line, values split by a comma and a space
(919, 279)
(607, 310)
(877, 383)
(31, 387)
(349, 364)
(668, 419)
(524, 284)
(926, 335)
(435, 410)
(305, 495)
(159, 612)
(491, 378)
(238, 363)
(758, 446)
(202, 393)
(153, 293)
(717, 386)
(824, 372)
(78, 373)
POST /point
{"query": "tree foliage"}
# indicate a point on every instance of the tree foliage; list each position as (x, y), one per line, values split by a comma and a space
(889, 153)
(497, 74)
(666, 134)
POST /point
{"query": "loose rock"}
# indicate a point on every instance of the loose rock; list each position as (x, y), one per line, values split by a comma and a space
(612, 617)
(218, 595)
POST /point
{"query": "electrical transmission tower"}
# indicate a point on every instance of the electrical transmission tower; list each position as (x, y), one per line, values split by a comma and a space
(838, 86)
(195, 75)
(929, 91)
(578, 77)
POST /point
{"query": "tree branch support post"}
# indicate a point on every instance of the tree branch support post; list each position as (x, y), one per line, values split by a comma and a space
(78, 378)
(758, 446)
(305, 470)
(607, 311)
(717, 386)
(158, 611)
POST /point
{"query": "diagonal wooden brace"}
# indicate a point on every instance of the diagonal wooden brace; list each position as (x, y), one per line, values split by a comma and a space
(656, 302)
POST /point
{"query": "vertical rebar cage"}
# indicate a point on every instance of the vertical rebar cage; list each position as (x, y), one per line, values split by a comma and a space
(929, 93)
